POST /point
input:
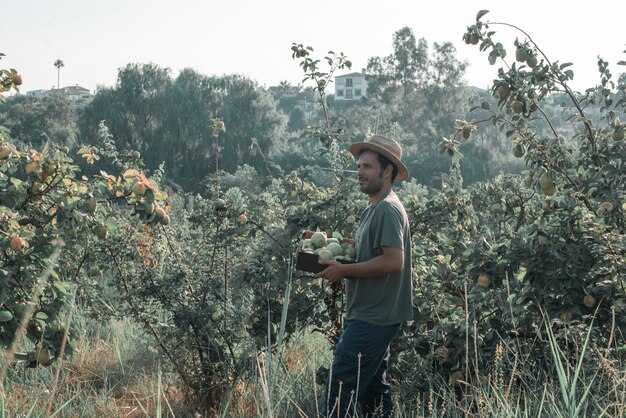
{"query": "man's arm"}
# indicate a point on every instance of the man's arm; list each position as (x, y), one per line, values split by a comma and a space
(390, 261)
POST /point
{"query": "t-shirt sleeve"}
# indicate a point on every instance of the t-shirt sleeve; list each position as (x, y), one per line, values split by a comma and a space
(388, 231)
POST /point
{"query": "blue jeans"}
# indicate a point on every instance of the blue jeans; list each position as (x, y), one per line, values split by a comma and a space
(359, 367)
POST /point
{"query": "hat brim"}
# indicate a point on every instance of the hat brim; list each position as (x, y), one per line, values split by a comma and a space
(356, 148)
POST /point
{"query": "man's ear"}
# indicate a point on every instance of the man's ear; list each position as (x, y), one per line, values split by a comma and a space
(388, 171)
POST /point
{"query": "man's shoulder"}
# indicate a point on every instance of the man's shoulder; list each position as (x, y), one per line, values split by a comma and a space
(392, 202)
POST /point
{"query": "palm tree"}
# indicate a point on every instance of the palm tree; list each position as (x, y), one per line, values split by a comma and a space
(58, 64)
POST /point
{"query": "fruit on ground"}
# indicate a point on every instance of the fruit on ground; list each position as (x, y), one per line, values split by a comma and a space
(484, 280)
(242, 219)
(165, 220)
(351, 219)
(589, 301)
(543, 239)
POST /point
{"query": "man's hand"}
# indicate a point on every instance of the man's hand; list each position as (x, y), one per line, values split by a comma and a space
(334, 271)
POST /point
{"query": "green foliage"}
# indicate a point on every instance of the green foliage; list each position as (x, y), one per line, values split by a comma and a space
(48, 215)
(35, 122)
(168, 121)
(415, 93)
(501, 253)
(217, 285)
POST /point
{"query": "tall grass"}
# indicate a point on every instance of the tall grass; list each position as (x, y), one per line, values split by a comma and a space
(508, 391)
(116, 372)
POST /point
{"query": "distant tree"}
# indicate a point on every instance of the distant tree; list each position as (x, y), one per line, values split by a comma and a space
(416, 91)
(34, 122)
(59, 64)
(131, 108)
(397, 75)
(170, 120)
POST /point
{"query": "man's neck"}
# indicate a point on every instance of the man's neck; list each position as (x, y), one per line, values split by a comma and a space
(375, 198)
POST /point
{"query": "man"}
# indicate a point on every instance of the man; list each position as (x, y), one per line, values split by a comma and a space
(378, 287)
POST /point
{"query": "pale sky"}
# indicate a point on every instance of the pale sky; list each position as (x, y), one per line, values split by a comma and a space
(252, 37)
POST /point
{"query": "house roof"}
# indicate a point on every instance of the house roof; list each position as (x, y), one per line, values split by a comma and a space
(74, 90)
(350, 75)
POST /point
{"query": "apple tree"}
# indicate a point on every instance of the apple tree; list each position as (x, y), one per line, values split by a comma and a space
(48, 215)
(513, 255)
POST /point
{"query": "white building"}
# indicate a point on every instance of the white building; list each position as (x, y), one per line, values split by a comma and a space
(350, 86)
(73, 93)
(37, 93)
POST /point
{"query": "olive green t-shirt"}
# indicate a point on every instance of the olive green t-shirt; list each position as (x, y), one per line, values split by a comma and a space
(382, 300)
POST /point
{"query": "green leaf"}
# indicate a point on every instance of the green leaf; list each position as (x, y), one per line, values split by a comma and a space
(481, 14)
(130, 173)
(62, 287)
(83, 150)
(621, 63)
(149, 196)
(41, 315)
(16, 182)
(5, 315)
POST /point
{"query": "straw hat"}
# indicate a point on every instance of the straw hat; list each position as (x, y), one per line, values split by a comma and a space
(385, 146)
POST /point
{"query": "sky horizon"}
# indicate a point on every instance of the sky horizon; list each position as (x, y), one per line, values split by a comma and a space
(95, 39)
